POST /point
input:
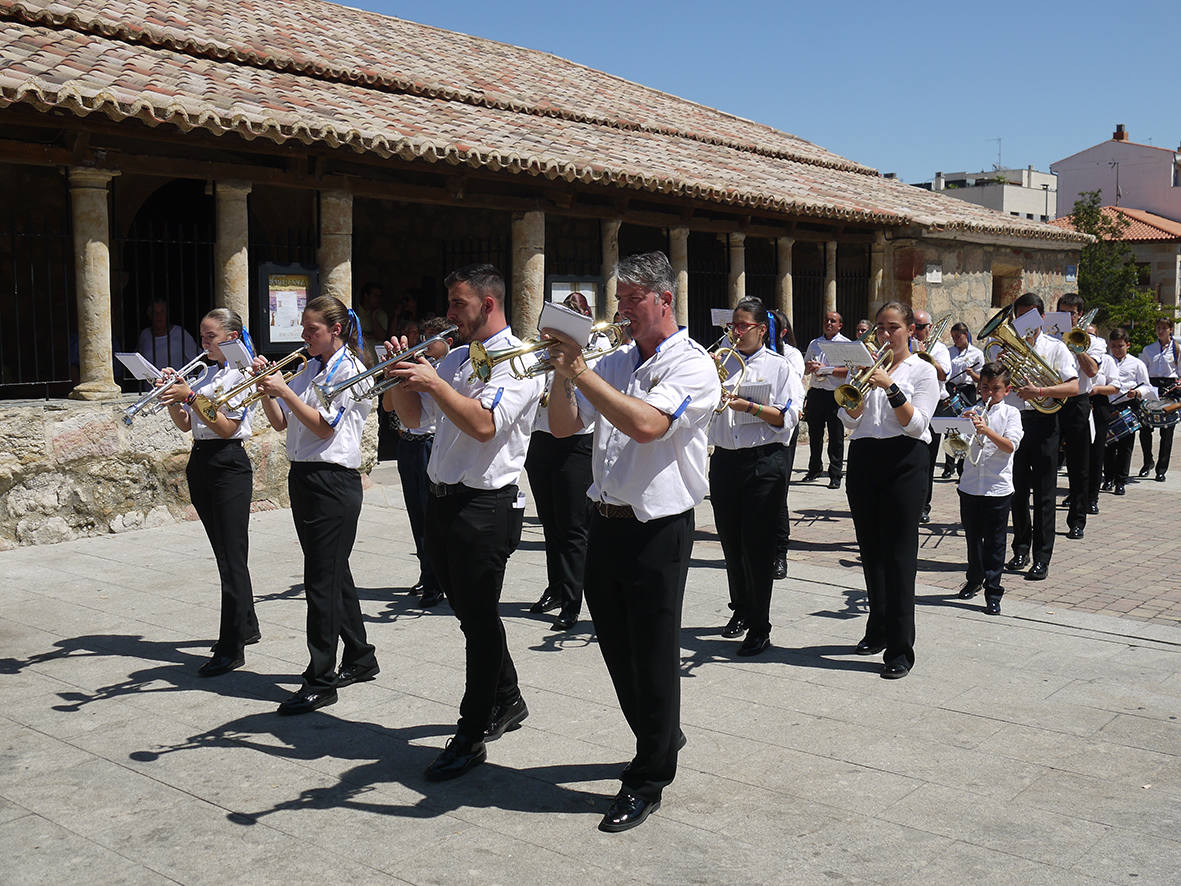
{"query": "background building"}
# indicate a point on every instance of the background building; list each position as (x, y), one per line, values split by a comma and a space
(1126, 173)
(1022, 193)
(193, 152)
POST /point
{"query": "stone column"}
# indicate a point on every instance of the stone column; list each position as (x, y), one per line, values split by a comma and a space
(737, 267)
(877, 273)
(336, 245)
(678, 248)
(830, 278)
(783, 281)
(528, 272)
(610, 237)
(231, 252)
(92, 281)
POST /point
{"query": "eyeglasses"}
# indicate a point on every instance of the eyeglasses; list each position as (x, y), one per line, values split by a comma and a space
(740, 328)
(921, 325)
(830, 320)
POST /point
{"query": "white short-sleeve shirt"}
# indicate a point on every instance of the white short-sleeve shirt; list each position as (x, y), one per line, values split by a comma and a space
(992, 475)
(785, 391)
(346, 414)
(214, 382)
(917, 379)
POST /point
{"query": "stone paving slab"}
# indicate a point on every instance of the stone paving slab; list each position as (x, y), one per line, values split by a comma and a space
(1040, 747)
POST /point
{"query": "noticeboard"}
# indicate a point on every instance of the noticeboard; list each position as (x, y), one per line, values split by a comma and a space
(283, 293)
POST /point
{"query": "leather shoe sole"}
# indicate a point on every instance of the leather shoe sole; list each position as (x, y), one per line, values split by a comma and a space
(864, 648)
(349, 676)
(894, 672)
(304, 702)
(220, 664)
(626, 812)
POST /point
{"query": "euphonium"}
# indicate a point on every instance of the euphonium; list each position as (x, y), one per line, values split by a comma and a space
(150, 403)
(851, 394)
(721, 354)
(208, 408)
(1018, 356)
(327, 393)
(484, 361)
(1078, 339)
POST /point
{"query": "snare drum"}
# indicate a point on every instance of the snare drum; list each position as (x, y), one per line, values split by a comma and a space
(1153, 415)
(1124, 424)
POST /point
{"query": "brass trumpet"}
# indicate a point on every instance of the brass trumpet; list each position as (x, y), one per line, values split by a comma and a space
(936, 334)
(1078, 339)
(208, 408)
(484, 361)
(328, 393)
(852, 393)
(150, 403)
(721, 354)
(1018, 356)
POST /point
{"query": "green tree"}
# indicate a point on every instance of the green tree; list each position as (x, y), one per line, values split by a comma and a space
(1108, 278)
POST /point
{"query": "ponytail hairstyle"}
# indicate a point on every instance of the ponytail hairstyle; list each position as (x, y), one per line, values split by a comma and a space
(786, 335)
(231, 321)
(332, 311)
(755, 307)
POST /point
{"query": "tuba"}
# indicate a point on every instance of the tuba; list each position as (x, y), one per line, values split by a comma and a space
(1018, 356)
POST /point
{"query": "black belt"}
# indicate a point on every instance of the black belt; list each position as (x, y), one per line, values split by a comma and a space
(749, 451)
(215, 444)
(615, 511)
(414, 438)
(442, 490)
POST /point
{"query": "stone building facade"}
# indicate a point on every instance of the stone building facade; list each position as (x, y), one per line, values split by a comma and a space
(175, 150)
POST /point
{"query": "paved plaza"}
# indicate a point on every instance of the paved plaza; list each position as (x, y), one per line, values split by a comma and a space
(1040, 747)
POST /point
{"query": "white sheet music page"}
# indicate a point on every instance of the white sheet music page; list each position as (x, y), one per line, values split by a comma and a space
(755, 392)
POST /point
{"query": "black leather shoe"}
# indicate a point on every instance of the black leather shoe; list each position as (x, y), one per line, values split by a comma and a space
(1119, 489)
(347, 676)
(547, 602)
(565, 621)
(505, 718)
(779, 568)
(894, 671)
(992, 607)
(418, 588)
(1038, 571)
(460, 755)
(1075, 532)
(754, 644)
(1105, 486)
(626, 812)
(811, 475)
(867, 648)
(1019, 562)
(430, 597)
(1146, 470)
(307, 700)
(970, 590)
(925, 516)
(834, 483)
(947, 474)
(1160, 478)
(735, 627)
(1093, 508)
(221, 664)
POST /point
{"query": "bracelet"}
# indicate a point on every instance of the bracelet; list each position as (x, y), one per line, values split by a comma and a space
(192, 396)
(758, 409)
(578, 373)
(895, 396)
(749, 407)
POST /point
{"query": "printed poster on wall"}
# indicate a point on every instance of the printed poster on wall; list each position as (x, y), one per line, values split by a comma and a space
(287, 295)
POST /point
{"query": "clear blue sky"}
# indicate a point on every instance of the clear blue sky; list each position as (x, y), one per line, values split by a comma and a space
(906, 87)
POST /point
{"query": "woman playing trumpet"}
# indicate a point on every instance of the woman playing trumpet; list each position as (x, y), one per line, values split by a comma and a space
(748, 471)
(324, 446)
(887, 485)
(221, 482)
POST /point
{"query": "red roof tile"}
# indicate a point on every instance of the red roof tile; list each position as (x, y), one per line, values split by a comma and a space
(1142, 225)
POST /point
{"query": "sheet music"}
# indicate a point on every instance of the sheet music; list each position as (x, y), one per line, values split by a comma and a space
(138, 366)
(755, 392)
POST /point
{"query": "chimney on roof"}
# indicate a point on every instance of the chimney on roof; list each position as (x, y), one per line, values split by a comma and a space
(938, 184)
(1121, 133)
(893, 176)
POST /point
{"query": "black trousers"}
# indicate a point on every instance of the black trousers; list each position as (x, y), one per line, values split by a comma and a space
(1119, 459)
(414, 451)
(783, 529)
(635, 589)
(1035, 471)
(820, 407)
(1166, 434)
(986, 520)
(559, 475)
(885, 488)
(1101, 414)
(1075, 432)
(221, 482)
(470, 535)
(325, 505)
(745, 486)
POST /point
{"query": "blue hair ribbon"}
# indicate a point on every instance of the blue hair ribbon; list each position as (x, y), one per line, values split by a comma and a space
(357, 326)
(248, 341)
(771, 328)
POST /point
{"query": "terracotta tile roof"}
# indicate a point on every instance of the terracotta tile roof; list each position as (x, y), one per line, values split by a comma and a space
(1142, 225)
(313, 72)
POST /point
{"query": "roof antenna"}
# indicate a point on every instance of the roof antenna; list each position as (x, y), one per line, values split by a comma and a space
(997, 166)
